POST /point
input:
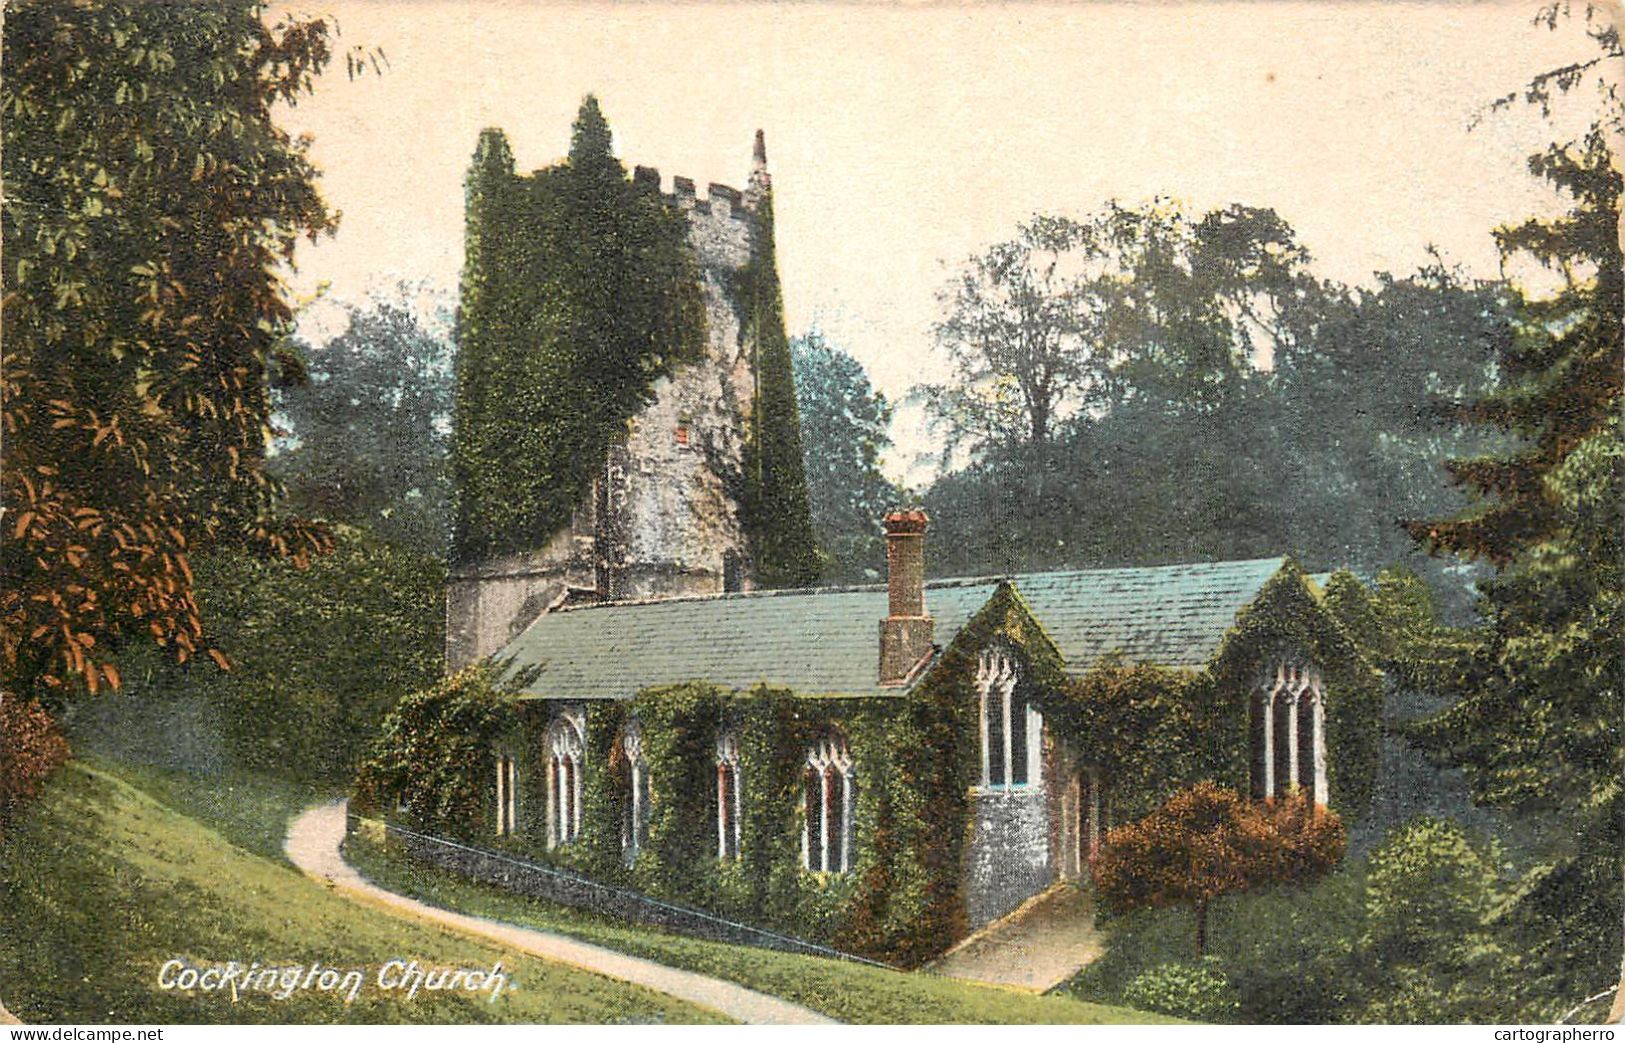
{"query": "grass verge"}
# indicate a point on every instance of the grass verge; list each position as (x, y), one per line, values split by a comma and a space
(846, 991)
(100, 884)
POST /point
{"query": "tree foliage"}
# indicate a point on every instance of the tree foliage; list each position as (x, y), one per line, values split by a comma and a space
(1208, 841)
(150, 203)
(31, 748)
(368, 435)
(1230, 404)
(579, 291)
(1536, 721)
(844, 432)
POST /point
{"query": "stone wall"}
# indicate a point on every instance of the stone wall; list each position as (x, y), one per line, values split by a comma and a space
(554, 885)
(1009, 856)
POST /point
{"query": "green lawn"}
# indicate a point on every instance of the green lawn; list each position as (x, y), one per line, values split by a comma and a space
(250, 809)
(850, 992)
(101, 884)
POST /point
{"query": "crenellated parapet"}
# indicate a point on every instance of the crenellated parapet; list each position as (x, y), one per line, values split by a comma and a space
(722, 201)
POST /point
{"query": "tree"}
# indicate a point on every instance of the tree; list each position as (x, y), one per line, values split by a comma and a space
(1536, 719)
(1024, 332)
(150, 202)
(1088, 355)
(1427, 953)
(843, 425)
(1207, 841)
(368, 435)
(320, 654)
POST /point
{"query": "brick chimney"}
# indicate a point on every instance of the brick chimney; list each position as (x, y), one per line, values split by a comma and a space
(905, 634)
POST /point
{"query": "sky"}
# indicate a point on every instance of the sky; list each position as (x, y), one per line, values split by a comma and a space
(904, 138)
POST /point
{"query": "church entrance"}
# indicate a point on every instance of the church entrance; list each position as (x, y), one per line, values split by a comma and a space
(1081, 827)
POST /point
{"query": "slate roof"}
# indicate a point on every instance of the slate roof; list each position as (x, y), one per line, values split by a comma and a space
(826, 641)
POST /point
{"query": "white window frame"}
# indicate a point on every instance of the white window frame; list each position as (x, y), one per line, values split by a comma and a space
(565, 752)
(730, 797)
(830, 761)
(507, 794)
(998, 676)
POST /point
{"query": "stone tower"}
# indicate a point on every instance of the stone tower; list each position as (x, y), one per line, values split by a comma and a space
(663, 518)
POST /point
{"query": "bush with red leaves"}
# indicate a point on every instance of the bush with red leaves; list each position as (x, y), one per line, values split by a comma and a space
(31, 748)
(1208, 841)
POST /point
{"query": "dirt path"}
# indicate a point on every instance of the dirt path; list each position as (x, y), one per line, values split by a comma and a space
(1037, 947)
(313, 845)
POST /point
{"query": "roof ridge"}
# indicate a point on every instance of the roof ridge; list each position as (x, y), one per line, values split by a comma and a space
(944, 583)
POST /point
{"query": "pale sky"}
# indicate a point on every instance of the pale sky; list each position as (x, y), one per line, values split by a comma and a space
(901, 139)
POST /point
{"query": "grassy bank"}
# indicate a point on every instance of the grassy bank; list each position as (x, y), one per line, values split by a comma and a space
(101, 883)
(847, 991)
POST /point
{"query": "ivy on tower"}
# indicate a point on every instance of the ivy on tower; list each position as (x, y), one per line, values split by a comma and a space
(777, 508)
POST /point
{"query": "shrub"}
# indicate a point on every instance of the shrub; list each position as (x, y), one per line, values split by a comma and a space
(1198, 991)
(1427, 952)
(31, 748)
(1207, 841)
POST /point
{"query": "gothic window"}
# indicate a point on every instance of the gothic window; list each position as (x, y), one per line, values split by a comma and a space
(830, 798)
(729, 795)
(635, 824)
(507, 794)
(1288, 733)
(564, 782)
(1010, 727)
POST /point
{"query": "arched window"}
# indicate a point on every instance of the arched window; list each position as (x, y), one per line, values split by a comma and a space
(1289, 733)
(507, 794)
(564, 783)
(635, 825)
(729, 797)
(830, 798)
(1011, 729)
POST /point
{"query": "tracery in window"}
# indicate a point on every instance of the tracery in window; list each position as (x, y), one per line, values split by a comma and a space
(635, 825)
(1010, 727)
(564, 780)
(730, 803)
(829, 801)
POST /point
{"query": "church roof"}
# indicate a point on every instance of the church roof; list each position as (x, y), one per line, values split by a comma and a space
(826, 641)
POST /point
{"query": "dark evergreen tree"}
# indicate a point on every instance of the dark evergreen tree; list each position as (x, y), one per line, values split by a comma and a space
(366, 439)
(1537, 721)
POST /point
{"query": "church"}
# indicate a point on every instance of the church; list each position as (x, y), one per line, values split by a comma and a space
(882, 768)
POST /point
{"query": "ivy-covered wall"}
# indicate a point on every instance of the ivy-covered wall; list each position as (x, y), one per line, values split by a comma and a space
(776, 504)
(1148, 729)
(579, 291)
(1153, 729)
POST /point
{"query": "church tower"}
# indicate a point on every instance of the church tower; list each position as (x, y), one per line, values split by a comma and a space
(669, 510)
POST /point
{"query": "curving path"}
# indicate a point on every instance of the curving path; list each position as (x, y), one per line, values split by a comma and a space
(313, 845)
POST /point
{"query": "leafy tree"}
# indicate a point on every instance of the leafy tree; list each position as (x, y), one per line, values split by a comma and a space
(579, 292)
(1207, 841)
(844, 429)
(1536, 721)
(1427, 953)
(320, 654)
(1023, 330)
(368, 434)
(1089, 354)
(150, 203)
